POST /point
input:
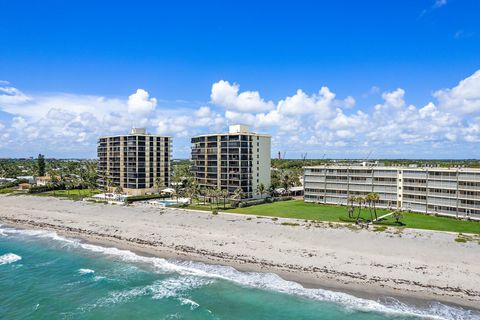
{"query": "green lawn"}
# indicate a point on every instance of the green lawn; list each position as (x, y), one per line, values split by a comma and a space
(301, 210)
(69, 194)
(6, 190)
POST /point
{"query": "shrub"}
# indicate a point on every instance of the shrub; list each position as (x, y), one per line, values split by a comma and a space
(47, 187)
(214, 211)
(145, 197)
(12, 184)
(255, 202)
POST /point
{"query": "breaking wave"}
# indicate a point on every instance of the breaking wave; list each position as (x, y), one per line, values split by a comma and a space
(9, 258)
(195, 274)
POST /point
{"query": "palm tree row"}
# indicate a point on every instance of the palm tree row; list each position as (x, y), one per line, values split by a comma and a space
(368, 202)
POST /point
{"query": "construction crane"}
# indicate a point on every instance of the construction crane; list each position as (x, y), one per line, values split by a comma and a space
(368, 156)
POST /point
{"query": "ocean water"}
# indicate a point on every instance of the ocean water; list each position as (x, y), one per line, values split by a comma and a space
(45, 276)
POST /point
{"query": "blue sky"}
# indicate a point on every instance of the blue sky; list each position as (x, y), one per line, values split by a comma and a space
(71, 70)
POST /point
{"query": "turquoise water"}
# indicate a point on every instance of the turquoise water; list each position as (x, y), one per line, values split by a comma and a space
(45, 276)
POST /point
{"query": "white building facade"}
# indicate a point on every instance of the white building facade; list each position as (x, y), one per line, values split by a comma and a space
(237, 159)
(445, 191)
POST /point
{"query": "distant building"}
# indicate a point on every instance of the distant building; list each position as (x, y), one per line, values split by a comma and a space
(43, 180)
(30, 179)
(447, 191)
(24, 186)
(227, 161)
(139, 162)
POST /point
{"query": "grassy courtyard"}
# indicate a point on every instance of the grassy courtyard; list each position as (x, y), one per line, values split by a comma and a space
(310, 211)
(75, 194)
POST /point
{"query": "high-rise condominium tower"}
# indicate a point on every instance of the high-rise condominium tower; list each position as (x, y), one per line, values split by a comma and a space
(231, 160)
(139, 162)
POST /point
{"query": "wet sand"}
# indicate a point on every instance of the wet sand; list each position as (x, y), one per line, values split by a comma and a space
(414, 264)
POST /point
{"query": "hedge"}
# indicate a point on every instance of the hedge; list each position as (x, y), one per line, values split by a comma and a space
(146, 197)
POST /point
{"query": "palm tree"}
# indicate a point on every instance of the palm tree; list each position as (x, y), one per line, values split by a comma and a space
(118, 189)
(397, 215)
(368, 201)
(109, 184)
(238, 193)
(193, 191)
(224, 195)
(210, 193)
(177, 186)
(217, 194)
(286, 182)
(158, 183)
(375, 199)
(361, 201)
(53, 180)
(261, 190)
(351, 208)
(203, 191)
(104, 178)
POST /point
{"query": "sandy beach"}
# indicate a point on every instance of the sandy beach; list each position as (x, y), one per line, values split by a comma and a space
(410, 263)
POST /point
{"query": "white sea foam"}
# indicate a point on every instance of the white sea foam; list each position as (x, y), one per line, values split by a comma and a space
(266, 281)
(9, 258)
(2, 232)
(86, 271)
(174, 288)
(185, 301)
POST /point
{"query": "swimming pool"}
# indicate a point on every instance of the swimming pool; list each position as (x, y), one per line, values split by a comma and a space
(162, 203)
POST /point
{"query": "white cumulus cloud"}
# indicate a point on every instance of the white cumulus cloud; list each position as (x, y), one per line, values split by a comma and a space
(464, 98)
(227, 95)
(140, 103)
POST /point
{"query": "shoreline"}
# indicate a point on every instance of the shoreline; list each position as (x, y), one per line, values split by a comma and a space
(358, 292)
(360, 283)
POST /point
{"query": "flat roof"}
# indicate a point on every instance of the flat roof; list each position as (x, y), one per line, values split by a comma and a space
(233, 134)
(357, 167)
(135, 135)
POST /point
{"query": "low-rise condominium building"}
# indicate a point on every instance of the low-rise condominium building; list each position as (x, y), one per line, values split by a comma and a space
(237, 159)
(430, 190)
(139, 163)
